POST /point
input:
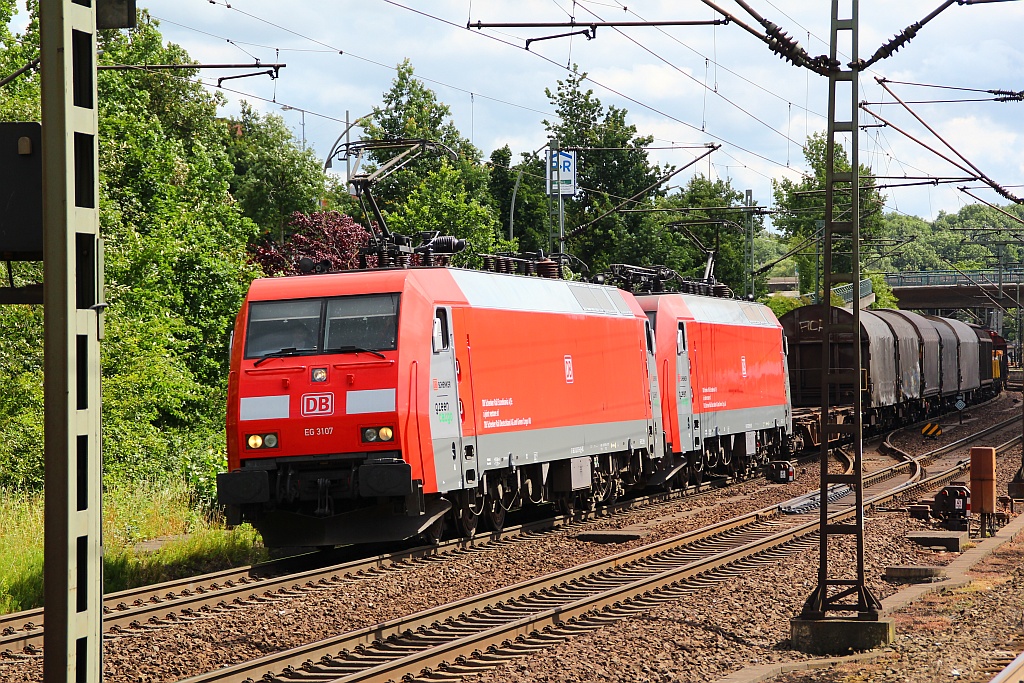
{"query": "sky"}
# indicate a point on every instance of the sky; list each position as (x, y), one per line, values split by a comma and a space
(686, 86)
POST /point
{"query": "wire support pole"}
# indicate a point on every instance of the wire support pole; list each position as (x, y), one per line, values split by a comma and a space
(842, 387)
(73, 301)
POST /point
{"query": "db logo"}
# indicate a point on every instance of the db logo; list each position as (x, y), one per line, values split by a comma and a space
(318, 404)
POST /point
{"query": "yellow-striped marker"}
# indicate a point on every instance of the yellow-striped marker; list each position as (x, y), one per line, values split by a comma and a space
(931, 430)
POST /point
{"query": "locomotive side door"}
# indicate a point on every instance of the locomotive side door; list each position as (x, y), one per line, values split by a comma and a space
(684, 395)
(445, 425)
(656, 442)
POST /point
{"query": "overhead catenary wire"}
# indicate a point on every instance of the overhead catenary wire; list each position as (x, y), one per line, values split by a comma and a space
(610, 89)
(663, 179)
(981, 175)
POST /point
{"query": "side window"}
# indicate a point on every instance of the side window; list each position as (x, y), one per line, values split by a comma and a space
(440, 335)
(650, 337)
(681, 340)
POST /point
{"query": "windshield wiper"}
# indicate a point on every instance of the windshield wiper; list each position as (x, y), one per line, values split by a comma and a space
(290, 351)
(356, 349)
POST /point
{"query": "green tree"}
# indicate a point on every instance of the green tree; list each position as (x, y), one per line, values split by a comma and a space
(412, 111)
(531, 227)
(802, 207)
(884, 298)
(726, 231)
(273, 177)
(442, 204)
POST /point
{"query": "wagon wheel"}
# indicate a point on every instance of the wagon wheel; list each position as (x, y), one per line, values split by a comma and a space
(467, 512)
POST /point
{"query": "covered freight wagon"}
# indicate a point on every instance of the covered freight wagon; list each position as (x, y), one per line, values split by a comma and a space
(878, 373)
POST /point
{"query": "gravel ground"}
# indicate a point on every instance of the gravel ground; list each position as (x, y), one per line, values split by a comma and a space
(698, 641)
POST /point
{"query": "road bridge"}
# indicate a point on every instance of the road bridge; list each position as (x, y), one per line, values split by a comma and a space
(949, 289)
(987, 292)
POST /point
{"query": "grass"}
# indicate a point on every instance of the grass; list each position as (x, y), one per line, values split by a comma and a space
(192, 540)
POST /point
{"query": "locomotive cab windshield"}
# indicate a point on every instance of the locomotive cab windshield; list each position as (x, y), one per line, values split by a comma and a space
(365, 323)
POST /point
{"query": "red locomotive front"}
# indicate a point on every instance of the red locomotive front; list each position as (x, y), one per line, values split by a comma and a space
(317, 420)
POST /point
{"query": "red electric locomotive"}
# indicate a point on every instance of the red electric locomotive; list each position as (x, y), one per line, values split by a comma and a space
(728, 410)
(368, 405)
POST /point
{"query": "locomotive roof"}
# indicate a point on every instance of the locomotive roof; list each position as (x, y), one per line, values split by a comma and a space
(478, 289)
(712, 309)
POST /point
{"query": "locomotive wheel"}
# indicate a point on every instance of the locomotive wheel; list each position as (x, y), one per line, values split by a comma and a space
(567, 503)
(741, 467)
(432, 534)
(495, 515)
(711, 460)
(467, 515)
(696, 468)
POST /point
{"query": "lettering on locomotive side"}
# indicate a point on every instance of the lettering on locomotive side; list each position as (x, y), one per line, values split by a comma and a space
(442, 384)
(443, 410)
(317, 404)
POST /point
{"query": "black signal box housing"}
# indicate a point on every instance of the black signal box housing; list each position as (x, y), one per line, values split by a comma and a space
(21, 191)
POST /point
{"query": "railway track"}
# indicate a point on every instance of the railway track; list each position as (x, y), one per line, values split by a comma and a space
(151, 607)
(157, 605)
(469, 635)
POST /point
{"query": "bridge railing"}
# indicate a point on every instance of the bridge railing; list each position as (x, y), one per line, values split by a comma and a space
(845, 292)
(953, 277)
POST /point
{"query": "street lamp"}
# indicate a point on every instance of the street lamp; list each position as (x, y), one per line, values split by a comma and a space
(302, 112)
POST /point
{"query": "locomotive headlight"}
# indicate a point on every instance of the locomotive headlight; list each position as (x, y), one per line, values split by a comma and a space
(386, 433)
(257, 441)
(318, 375)
(370, 434)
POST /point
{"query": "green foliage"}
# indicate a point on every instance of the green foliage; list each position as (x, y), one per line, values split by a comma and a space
(781, 305)
(802, 206)
(530, 224)
(21, 550)
(411, 110)
(133, 513)
(442, 203)
(19, 99)
(726, 231)
(176, 273)
(272, 177)
(884, 297)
